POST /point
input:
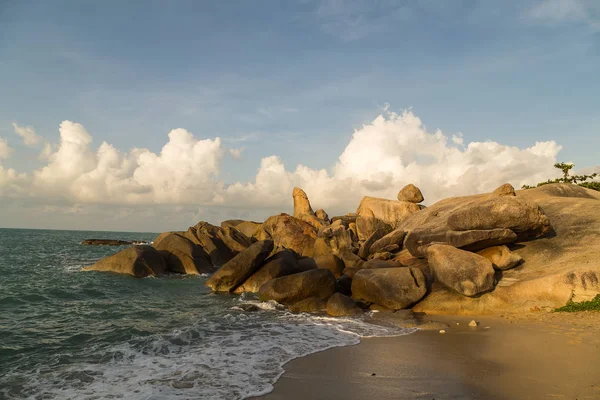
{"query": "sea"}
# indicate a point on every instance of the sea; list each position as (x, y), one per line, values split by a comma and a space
(68, 334)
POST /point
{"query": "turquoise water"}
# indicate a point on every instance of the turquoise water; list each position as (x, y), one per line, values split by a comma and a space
(67, 334)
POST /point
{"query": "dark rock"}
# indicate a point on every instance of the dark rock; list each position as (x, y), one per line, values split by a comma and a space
(365, 248)
(107, 242)
(394, 288)
(309, 305)
(279, 264)
(240, 267)
(343, 285)
(339, 305)
(293, 288)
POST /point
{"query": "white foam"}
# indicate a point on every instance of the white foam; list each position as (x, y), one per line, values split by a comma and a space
(235, 356)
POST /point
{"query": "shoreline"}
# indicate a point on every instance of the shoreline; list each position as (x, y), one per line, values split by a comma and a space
(536, 356)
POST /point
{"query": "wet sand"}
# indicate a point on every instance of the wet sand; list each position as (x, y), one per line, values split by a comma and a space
(545, 356)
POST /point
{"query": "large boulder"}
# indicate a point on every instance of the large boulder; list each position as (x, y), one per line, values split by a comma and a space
(521, 216)
(339, 305)
(303, 210)
(501, 257)
(445, 221)
(137, 261)
(248, 228)
(289, 233)
(389, 213)
(394, 288)
(395, 237)
(240, 267)
(279, 264)
(410, 193)
(182, 255)
(291, 289)
(505, 190)
(365, 247)
(467, 273)
(419, 239)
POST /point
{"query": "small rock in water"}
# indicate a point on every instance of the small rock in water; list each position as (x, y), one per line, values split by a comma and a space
(473, 324)
(442, 331)
(373, 374)
(249, 307)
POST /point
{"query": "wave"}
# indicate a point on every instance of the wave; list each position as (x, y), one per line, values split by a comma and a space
(232, 356)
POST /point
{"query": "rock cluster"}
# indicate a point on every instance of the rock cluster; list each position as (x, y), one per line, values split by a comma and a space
(390, 254)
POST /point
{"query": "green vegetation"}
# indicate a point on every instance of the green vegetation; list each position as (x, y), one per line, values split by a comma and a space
(592, 305)
(575, 179)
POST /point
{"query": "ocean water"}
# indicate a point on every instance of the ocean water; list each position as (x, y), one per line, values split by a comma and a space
(67, 334)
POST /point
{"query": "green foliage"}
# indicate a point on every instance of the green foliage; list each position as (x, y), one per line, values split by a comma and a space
(575, 179)
(592, 305)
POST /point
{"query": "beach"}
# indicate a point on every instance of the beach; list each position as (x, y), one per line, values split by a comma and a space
(534, 356)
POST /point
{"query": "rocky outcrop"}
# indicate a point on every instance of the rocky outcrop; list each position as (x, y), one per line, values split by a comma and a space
(289, 233)
(181, 255)
(303, 210)
(235, 239)
(240, 267)
(394, 288)
(467, 273)
(410, 193)
(501, 257)
(279, 264)
(310, 305)
(137, 261)
(291, 289)
(339, 305)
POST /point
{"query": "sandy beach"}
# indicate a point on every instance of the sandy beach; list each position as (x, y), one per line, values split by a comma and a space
(538, 356)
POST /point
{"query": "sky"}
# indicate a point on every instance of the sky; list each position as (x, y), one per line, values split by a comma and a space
(153, 115)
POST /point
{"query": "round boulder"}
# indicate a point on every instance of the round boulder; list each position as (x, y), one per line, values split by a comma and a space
(410, 193)
(394, 288)
(291, 289)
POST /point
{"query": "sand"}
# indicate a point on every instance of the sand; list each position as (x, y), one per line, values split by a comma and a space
(543, 356)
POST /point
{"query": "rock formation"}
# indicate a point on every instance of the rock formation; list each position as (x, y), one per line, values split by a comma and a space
(459, 255)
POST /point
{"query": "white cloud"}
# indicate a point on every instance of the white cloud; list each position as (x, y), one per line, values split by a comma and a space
(382, 156)
(561, 11)
(30, 138)
(236, 153)
(393, 150)
(5, 149)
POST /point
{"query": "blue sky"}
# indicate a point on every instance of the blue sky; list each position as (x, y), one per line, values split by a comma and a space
(295, 79)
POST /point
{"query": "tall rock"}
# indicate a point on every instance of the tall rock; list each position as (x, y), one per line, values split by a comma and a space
(303, 210)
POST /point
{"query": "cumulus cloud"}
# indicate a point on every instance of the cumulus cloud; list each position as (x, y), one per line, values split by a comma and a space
(30, 138)
(5, 149)
(392, 151)
(382, 156)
